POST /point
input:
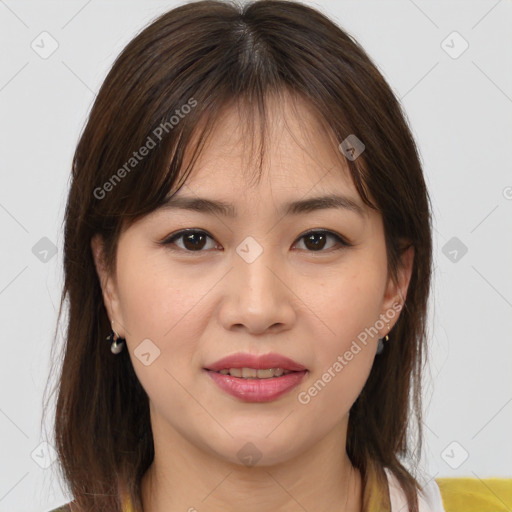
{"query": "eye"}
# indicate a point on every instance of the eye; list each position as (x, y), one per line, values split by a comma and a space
(316, 240)
(194, 240)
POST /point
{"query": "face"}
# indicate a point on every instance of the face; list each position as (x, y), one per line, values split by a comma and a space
(310, 285)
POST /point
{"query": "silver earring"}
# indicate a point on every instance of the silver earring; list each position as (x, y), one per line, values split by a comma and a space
(380, 343)
(116, 342)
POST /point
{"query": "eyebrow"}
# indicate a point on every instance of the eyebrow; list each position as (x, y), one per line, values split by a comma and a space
(204, 205)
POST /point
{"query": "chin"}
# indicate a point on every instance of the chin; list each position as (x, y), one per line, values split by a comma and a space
(256, 450)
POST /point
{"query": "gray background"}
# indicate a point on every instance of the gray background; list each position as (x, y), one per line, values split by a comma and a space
(459, 105)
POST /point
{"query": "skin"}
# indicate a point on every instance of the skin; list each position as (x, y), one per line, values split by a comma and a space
(309, 305)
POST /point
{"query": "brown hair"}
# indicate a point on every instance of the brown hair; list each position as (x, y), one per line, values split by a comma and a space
(209, 55)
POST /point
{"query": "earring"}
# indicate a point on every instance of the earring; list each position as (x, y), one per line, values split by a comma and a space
(380, 343)
(117, 343)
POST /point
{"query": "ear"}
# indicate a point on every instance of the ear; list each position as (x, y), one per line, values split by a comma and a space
(108, 285)
(396, 291)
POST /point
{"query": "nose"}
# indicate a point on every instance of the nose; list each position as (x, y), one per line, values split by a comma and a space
(259, 296)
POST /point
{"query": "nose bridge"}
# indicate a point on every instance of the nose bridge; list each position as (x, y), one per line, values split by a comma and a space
(256, 282)
(258, 298)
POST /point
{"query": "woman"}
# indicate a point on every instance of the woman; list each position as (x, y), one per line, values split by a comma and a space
(248, 225)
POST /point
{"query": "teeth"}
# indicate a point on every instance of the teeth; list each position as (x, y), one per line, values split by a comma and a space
(253, 373)
(236, 372)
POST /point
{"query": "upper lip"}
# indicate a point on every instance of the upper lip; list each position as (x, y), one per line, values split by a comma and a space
(258, 362)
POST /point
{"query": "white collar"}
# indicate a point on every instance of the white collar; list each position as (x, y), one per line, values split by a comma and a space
(428, 501)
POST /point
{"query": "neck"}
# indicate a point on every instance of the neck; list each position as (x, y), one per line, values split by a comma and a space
(184, 477)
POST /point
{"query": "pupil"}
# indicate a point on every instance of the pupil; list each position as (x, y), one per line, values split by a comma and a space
(318, 244)
(190, 239)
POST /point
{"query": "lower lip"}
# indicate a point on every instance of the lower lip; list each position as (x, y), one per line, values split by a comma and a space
(257, 390)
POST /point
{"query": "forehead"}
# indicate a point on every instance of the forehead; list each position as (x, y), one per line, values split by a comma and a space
(300, 152)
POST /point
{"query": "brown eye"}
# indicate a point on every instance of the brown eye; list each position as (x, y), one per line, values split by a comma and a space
(193, 240)
(315, 241)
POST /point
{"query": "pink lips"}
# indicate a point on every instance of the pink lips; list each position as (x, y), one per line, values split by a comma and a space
(256, 390)
(243, 360)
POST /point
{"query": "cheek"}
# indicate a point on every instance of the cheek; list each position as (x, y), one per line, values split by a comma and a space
(350, 301)
(159, 304)
(143, 291)
(343, 362)
(349, 306)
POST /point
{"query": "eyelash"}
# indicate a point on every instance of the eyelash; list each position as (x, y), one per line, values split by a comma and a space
(170, 240)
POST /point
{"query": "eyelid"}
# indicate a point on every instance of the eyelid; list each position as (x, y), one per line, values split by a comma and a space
(168, 240)
(342, 240)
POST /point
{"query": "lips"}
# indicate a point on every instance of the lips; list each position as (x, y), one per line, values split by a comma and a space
(258, 362)
(265, 388)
